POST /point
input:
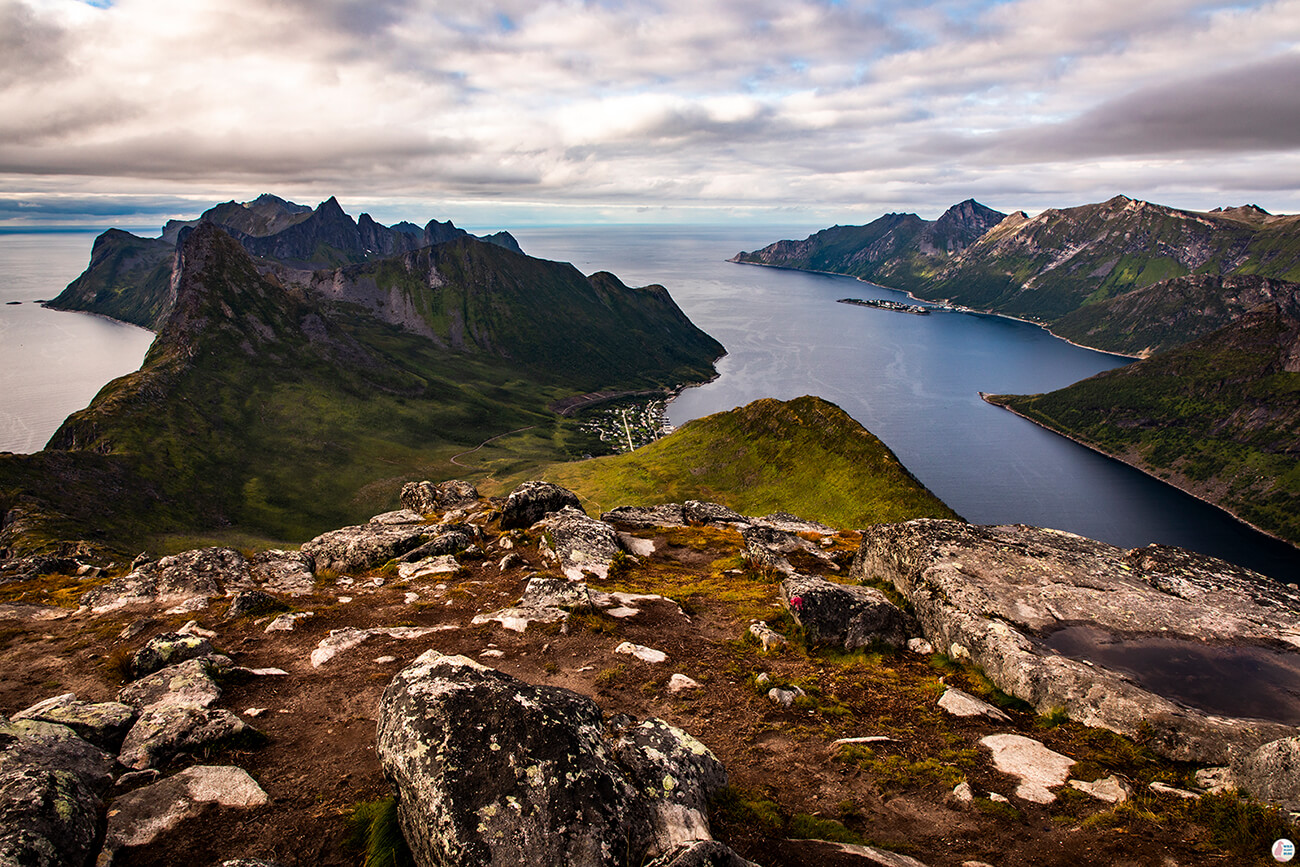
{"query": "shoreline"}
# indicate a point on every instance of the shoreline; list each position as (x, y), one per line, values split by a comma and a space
(944, 301)
(984, 396)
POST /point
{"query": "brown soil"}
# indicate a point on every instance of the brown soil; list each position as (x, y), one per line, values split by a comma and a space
(319, 760)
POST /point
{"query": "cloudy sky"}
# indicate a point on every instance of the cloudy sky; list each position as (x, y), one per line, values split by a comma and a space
(555, 111)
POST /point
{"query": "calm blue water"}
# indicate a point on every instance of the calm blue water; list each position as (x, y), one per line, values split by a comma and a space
(913, 381)
(51, 363)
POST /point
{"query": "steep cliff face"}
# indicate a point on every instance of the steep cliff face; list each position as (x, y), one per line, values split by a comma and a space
(128, 276)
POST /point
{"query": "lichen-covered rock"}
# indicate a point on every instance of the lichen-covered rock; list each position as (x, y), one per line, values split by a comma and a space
(47, 818)
(140, 816)
(532, 501)
(374, 543)
(54, 747)
(997, 593)
(427, 497)
(1272, 773)
(494, 771)
(102, 724)
(187, 683)
(201, 573)
(164, 731)
(447, 541)
(579, 543)
(646, 517)
(250, 602)
(699, 512)
(170, 648)
(846, 617)
(288, 572)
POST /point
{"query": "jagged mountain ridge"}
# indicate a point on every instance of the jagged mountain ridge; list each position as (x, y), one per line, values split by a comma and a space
(248, 369)
(900, 250)
(128, 276)
(1218, 417)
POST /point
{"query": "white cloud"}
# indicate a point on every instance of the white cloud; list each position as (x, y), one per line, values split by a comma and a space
(682, 103)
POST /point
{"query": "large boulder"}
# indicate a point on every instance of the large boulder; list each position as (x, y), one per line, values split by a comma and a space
(141, 816)
(1272, 773)
(493, 771)
(102, 724)
(532, 501)
(288, 572)
(846, 617)
(191, 682)
(184, 577)
(47, 818)
(374, 543)
(427, 497)
(1059, 621)
(170, 648)
(165, 731)
(578, 543)
(646, 517)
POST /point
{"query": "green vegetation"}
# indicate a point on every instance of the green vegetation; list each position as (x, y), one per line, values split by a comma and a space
(805, 456)
(374, 833)
(1219, 417)
(129, 278)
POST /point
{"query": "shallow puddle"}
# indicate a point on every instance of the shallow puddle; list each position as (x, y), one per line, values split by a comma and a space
(1239, 681)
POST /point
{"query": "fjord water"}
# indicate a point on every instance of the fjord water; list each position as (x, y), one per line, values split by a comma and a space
(913, 381)
(52, 363)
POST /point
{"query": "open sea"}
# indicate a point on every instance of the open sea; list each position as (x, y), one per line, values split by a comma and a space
(914, 381)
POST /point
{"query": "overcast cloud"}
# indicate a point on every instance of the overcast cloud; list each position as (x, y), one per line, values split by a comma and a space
(564, 111)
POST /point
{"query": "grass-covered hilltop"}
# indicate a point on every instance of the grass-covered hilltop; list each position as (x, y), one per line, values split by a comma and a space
(1208, 298)
(278, 400)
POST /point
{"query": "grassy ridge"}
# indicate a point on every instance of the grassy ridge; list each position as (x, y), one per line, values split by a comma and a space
(1218, 417)
(805, 456)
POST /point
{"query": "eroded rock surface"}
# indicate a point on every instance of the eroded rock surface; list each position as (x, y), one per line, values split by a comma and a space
(532, 501)
(843, 616)
(102, 724)
(181, 578)
(491, 770)
(579, 543)
(374, 543)
(428, 497)
(998, 593)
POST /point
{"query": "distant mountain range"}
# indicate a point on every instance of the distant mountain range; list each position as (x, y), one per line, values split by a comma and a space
(277, 401)
(128, 276)
(1208, 296)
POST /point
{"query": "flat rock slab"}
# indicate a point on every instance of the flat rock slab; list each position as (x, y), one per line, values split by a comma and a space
(374, 543)
(185, 577)
(963, 704)
(1110, 789)
(103, 724)
(139, 817)
(1038, 768)
(645, 654)
(1000, 593)
(340, 640)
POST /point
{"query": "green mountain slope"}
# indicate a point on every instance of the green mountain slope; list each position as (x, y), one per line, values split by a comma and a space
(128, 278)
(1167, 314)
(1218, 417)
(805, 456)
(264, 408)
(897, 250)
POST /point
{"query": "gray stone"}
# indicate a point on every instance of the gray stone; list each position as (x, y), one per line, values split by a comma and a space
(165, 731)
(252, 602)
(646, 517)
(47, 818)
(791, 524)
(289, 572)
(785, 696)
(768, 637)
(491, 770)
(53, 747)
(427, 497)
(700, 512)
(1038, 768)
(201, 573)
(843, 616)
(102, 724)
(368, 545)
(994, 592)
(1272, 773)
(170, 648)
(187, 683)
(579, 544)
(1110, 789)
(139, 817)
(444, 543)
(963, 704)
(532, 501)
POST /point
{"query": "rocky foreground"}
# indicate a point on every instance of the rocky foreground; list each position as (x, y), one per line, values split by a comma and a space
(675, 685)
